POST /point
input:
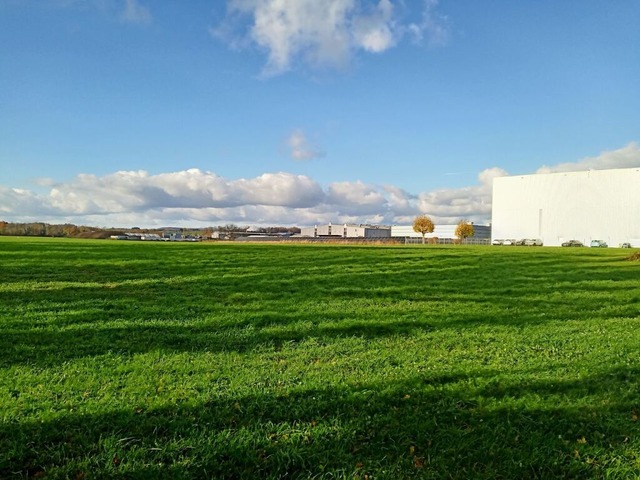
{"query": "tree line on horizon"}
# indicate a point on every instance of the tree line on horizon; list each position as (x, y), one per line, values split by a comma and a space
(421, 224)
(41, 229)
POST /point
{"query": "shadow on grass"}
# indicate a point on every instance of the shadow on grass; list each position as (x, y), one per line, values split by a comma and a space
(171, 298)
(423, 427)
(48, 348)
(240, 310)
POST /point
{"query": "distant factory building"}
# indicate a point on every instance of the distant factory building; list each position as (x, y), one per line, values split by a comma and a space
(172, 234)
(557, 207)
(346, 231)
(441, 232)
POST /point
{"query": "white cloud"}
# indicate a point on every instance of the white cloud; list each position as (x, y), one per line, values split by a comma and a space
(195, 197)
(135, 13)
(349, 193)
(286, 29)
(472, 203)
(127, 191)
(375, 32)
(400, 202)
(128, 11)
(625, 157)
(23, 203)
(486, 176)
(279, 189)
(323, 33)
(300, 147)
(433, 27)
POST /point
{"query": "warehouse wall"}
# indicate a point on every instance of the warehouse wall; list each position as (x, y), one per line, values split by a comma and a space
(556, 207)
(440, 231)
(346, 230)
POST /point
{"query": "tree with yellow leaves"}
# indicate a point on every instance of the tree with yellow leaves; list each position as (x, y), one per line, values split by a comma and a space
(465, 230)
(423, 224)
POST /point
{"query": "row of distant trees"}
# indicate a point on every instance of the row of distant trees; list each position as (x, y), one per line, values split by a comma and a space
(232, 227)
(423, 224)
(40, 229)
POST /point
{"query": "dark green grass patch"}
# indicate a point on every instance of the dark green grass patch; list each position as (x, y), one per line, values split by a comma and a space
(154, 360)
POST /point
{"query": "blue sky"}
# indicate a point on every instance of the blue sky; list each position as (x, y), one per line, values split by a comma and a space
(295, 112)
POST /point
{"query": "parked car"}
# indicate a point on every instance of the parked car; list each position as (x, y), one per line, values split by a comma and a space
(599, 244)
(497, 241)
(573, 243)
(625, 245)
(509, 241)
(533, 242)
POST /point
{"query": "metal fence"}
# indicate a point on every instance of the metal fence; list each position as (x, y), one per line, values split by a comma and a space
(366, 241)
(447, 241)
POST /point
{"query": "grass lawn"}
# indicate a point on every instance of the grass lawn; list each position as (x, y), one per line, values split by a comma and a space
(169, 360)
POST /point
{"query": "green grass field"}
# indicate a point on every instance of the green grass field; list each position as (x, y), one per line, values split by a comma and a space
(167, 360)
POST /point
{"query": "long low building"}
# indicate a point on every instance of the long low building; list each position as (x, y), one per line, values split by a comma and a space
(448, 231)
(346, 231)
(558, 207)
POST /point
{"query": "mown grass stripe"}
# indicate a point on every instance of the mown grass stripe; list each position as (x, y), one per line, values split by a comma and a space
(143, 360)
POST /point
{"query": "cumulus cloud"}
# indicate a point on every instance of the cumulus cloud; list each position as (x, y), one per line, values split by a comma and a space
(195, 197)
(356, 198)
(472, 203)
(301, 148)
(279, 189)
(127, 191)
(23, 203)
(400, 202)
(625, 157)
(321, 33)
(374, 32)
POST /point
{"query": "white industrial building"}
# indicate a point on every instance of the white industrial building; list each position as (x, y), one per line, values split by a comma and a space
(448, 231)
(347, 231)
(557, 207)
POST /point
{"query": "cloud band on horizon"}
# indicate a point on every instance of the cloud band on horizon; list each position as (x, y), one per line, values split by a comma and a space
(198, 197)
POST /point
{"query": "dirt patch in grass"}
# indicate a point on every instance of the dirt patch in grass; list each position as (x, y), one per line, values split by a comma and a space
(634, 257)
